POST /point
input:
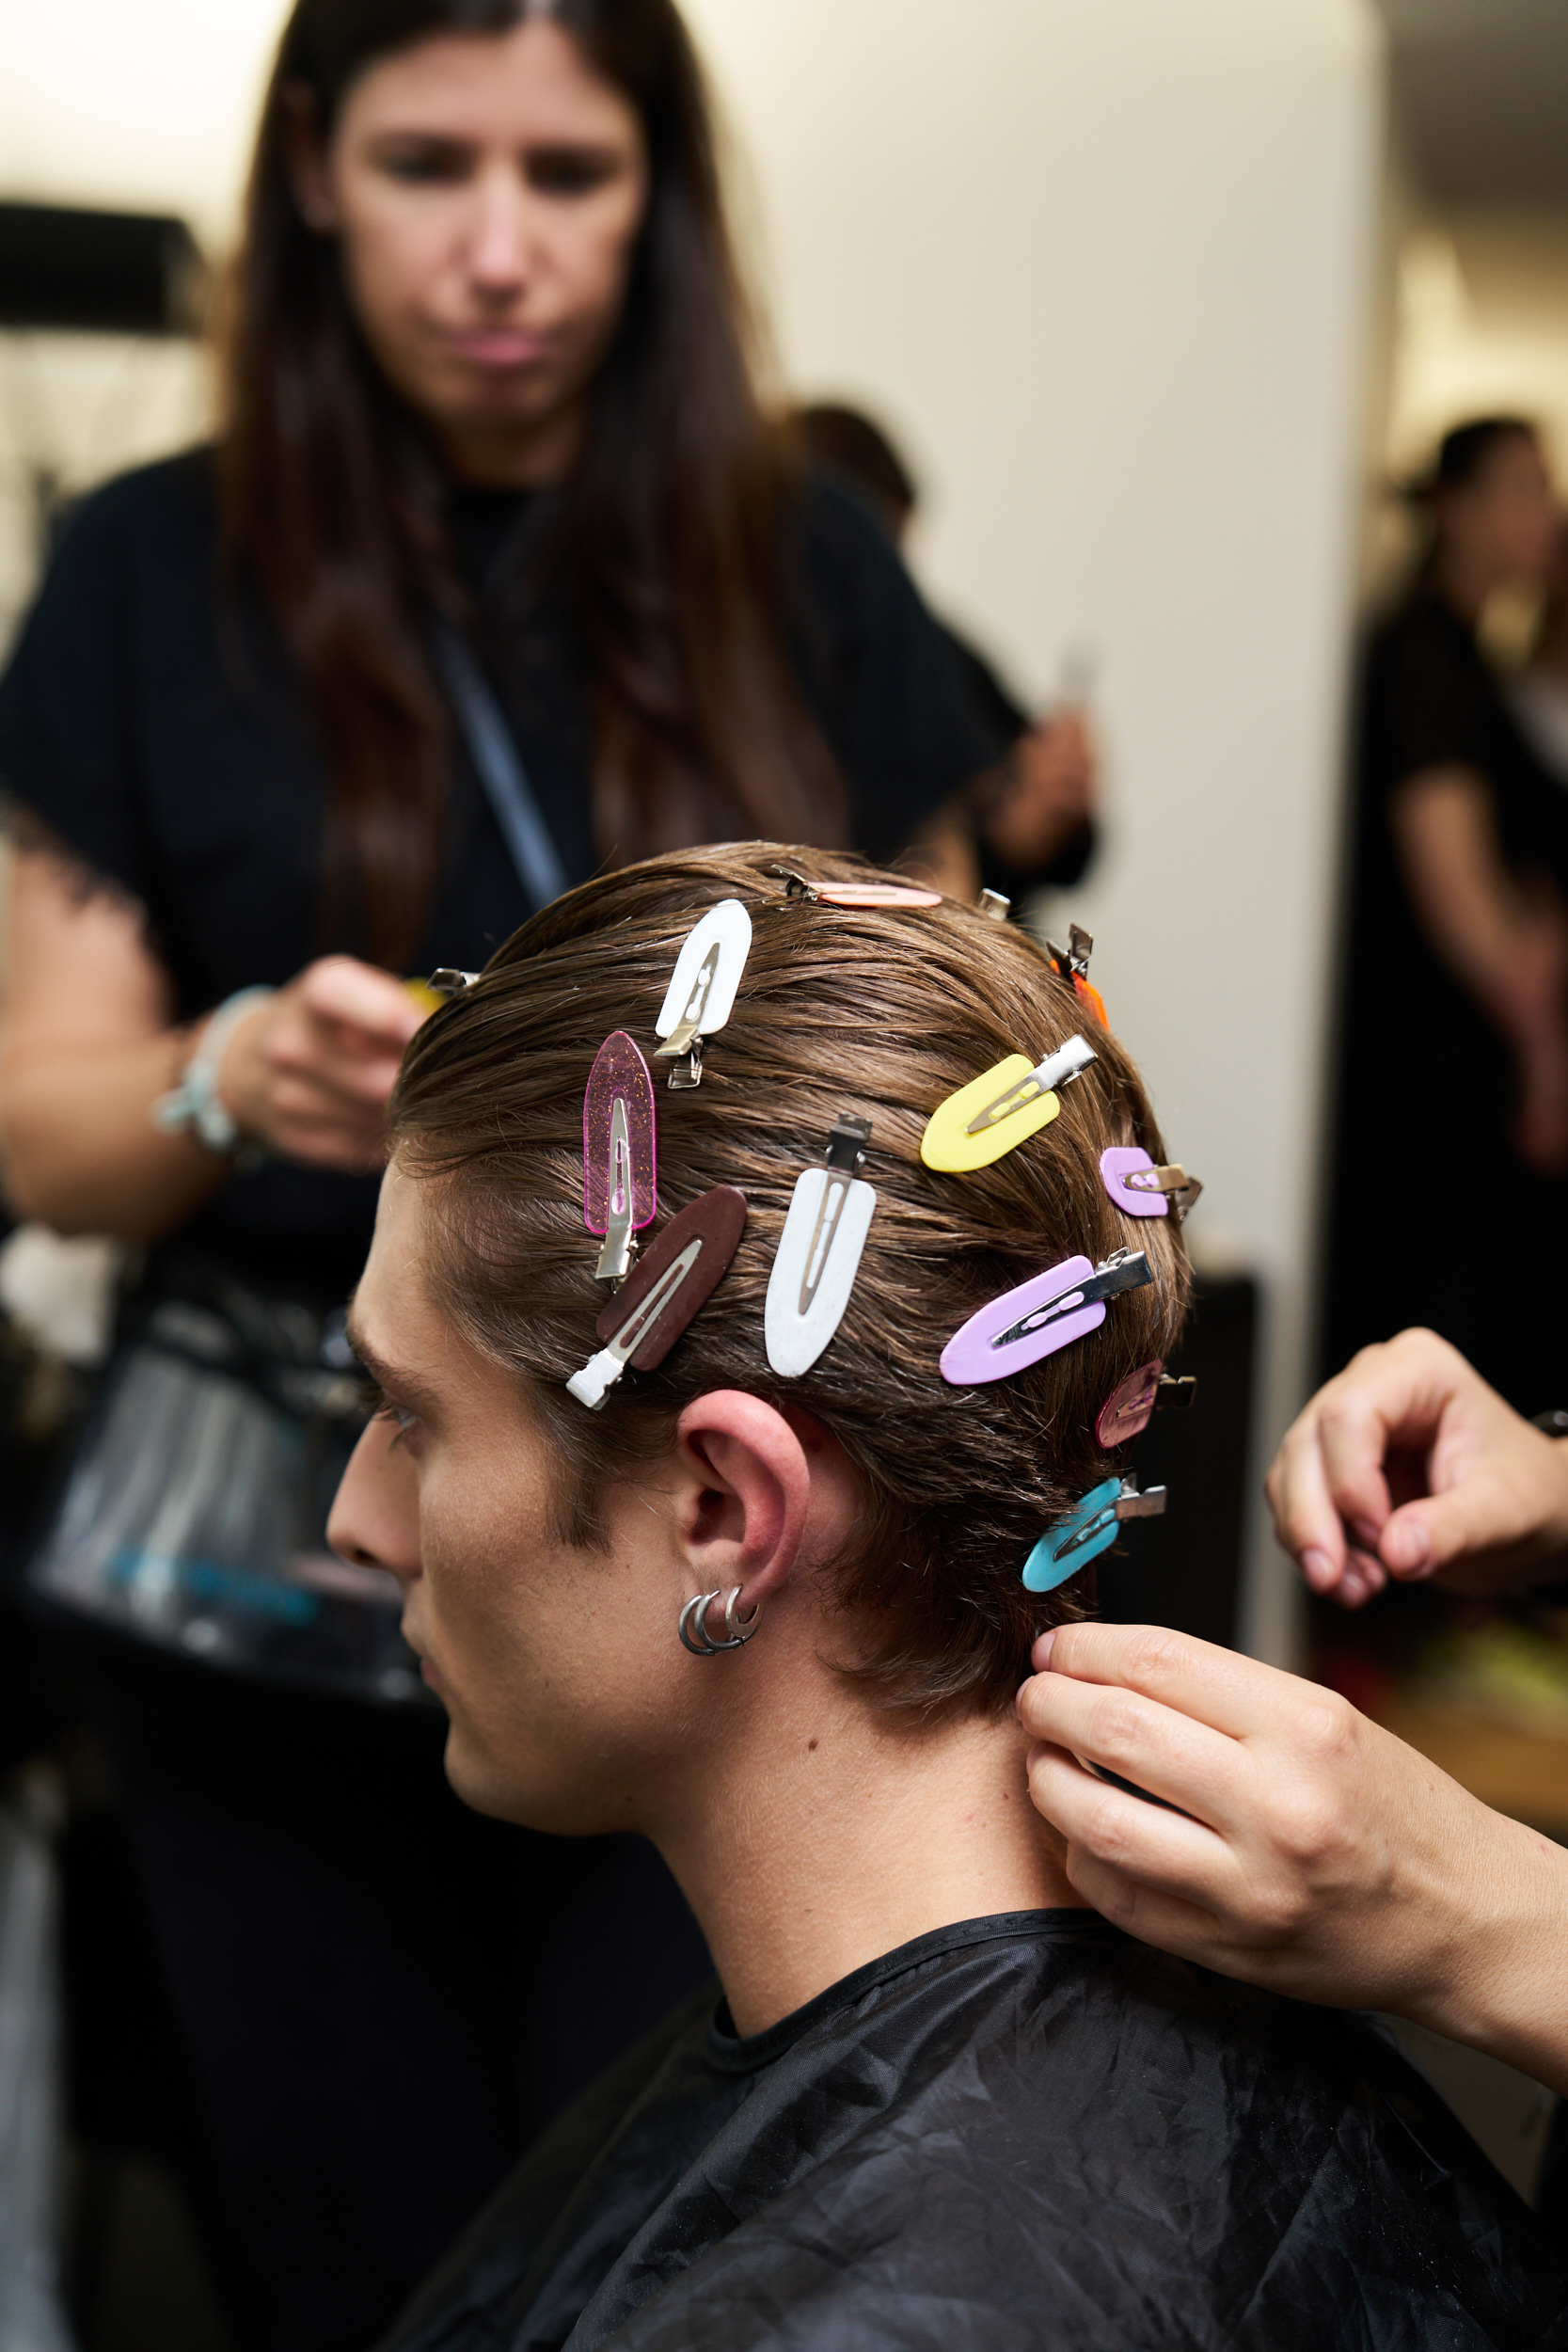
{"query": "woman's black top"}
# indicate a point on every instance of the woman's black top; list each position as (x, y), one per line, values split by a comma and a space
(157, 726)
(1421, 1076)
(1020, 2131)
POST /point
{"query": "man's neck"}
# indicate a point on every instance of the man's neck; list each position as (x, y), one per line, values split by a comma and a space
(838, 1835)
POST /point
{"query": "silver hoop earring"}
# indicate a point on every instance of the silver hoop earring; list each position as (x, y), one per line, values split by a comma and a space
(693, 1628)
(739, 1629)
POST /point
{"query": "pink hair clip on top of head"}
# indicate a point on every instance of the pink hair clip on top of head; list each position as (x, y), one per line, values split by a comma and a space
(804, 890)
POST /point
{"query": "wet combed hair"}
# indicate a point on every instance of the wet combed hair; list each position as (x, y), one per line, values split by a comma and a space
(879, 1014)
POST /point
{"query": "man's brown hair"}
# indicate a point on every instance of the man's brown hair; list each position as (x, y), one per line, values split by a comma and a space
(882, 1015)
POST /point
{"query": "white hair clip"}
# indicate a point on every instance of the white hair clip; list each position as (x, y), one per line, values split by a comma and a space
(819, 1251)
(701, 995)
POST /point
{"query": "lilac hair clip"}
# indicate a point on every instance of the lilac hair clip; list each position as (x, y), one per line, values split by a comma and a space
(620, 1192)
(1017, 1329)
(1141, 1189)
(676, 1275)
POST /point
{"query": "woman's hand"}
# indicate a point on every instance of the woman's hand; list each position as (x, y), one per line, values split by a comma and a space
(1047, 792)
(88, 1046)
(1312, 1852)
(1408, 1464)
(309, 1072)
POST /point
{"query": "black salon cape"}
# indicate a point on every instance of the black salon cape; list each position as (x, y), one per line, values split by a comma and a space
(1024, 2131)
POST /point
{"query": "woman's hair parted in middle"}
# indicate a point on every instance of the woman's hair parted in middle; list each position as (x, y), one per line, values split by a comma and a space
(667, 554)
(882, 1015)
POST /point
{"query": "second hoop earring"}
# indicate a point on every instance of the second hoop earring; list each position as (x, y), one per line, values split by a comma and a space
(693, 1628)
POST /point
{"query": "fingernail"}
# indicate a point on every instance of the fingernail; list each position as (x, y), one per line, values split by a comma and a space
(1040, 1654)
(1407, 1548)
(1318, 1568)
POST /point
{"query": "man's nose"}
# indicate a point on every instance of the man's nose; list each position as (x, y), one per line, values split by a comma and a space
(373, 1520)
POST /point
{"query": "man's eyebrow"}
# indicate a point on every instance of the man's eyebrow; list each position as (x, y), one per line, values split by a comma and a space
(397, 1382)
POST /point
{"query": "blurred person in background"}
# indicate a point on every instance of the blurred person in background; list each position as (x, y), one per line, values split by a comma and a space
(1539, 695)
(1039, 804)
(493, 466)
(1452, 1149)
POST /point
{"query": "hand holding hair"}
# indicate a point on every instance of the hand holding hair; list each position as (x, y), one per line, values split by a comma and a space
(1408, 1464)
(1312, 1852)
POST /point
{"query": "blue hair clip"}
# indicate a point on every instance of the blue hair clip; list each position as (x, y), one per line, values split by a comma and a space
(1088, 1529)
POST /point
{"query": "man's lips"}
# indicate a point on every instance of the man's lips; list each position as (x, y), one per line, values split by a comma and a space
(427, 1672)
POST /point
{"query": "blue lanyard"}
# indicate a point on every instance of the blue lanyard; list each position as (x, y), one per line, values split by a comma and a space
(501, 774)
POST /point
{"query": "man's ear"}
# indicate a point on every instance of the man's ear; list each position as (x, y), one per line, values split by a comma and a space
(744, 1493)
(305, 161)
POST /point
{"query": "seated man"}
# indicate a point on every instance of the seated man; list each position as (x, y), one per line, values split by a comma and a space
(938, 2103)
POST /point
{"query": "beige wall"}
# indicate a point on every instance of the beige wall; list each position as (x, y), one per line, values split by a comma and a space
(1102, 265)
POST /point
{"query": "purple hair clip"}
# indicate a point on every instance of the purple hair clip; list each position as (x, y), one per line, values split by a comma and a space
(1141, 1189)
(1011, 1332)
(620, 1192)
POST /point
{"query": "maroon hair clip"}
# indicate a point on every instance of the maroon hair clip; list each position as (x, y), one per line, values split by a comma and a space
(676, 1276)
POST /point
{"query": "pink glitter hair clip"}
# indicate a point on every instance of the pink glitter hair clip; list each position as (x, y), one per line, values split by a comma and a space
(620, 1190)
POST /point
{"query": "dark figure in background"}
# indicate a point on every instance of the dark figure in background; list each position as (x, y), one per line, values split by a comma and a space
(1039, 802)
(1450, 1176)
(487, 375)
(1539, 695)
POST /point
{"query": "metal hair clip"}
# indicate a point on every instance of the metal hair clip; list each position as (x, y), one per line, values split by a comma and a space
(620, 1193)
(819, 1251)
(701, 995)
(676, 1276)
(1001, 1108)
(1072, 963)
(991, 902)
(1136, 1185)
(1021, 1327)
(450, 981)
(1088, 1529)
(853, 893)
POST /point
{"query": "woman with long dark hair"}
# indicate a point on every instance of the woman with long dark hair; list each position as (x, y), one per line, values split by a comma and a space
(498, 572)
